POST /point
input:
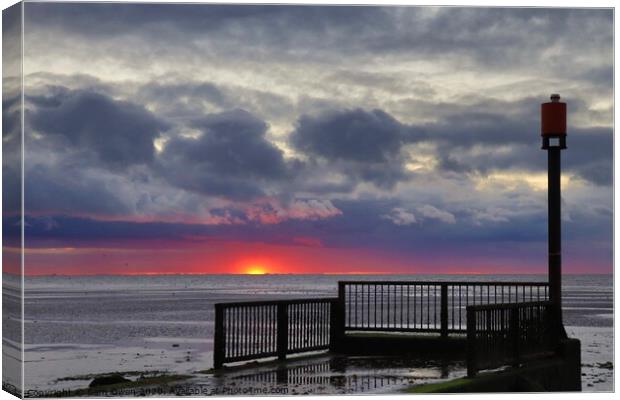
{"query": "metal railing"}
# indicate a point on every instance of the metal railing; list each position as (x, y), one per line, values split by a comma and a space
(259, 329)
(508, 334)
(410, 306)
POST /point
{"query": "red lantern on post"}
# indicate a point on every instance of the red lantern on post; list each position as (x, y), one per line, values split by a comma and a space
(553, 123)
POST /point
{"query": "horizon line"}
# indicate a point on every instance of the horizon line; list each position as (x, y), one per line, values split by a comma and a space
(287, 274)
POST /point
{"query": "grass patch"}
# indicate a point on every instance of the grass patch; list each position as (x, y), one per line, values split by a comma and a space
(440, 387)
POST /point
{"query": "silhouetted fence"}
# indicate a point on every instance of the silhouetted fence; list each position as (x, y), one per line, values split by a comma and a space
(259, 329)
(409, 306)
(508, 334)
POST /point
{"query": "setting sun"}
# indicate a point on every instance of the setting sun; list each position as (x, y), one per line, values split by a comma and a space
(255, 270)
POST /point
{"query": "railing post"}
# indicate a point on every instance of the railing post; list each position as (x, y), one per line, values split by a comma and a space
(335, 322)
(444, 310)
(337, 319)
(219, 345)
(472, 368)
(282, 330)
(514, 334)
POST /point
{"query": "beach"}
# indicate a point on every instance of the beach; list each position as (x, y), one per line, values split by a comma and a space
(77, 328)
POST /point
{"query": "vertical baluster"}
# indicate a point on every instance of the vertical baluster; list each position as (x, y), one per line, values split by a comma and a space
(307, 326)
(415, 296)
(268, 328)
(251, 335)
(388, 305)
(349, 305)
(435, 306)
(396, 311)
(325, 323)
(368, 307)
(237, 331)
(381, 303)
(246, 331)
(305, 332)
(271, 330)
(240, 337)
(316, 317)
(242, 326)
(226, 332)
(408, 286)
(452, 303)
(355, 305)
(428, 307)
(263, 333)
(300, 331)
(402, 308)
(362, 311)
(375, 308)
(293, 321)
(460, 309)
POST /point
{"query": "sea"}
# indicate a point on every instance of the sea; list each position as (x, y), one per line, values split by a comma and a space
(77, 327)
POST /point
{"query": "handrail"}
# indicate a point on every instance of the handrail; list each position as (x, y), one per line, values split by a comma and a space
(425, 306)
(251, 303)
(251, 330)
(453, 283)
(503, 334)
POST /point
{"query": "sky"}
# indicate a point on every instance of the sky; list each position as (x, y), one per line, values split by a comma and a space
(177, 138)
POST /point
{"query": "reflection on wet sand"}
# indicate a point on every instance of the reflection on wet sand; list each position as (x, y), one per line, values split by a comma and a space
(339, 374)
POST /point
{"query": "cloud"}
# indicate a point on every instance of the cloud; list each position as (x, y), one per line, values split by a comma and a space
(431, 212)
(230, 157)
(400, 216)
(273, 211)
(350, 135)
(120, 133)
(365, 145)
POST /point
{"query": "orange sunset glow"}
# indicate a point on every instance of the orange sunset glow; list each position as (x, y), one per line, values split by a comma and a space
(255, 270)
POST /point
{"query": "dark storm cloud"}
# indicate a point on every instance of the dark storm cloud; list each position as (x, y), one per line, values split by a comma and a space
(482, 142)
(363, 144)
(231, 157)
(120, 133)
(68, 191)
(352, 135)
(367, 145)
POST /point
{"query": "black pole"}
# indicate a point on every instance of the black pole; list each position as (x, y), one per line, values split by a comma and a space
(555, 228)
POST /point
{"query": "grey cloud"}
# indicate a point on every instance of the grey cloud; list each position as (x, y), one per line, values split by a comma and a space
(353, 135)
(363, 144)
(231, 157)
(190, 99)
(120, 133)
(53, 189)
(494, 36)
